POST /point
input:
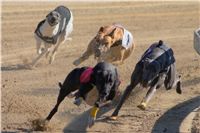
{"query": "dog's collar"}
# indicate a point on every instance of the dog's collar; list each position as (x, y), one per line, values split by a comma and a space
(51, 40)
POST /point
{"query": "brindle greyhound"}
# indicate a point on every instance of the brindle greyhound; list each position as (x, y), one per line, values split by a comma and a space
(112, 43)
(155, 69)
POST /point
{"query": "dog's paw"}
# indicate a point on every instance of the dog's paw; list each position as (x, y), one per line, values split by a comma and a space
(117, 63)
(78, 101)
(178, 88)
(47, 54)
(69, 39)
(51, 59)
(71, 95)
(76, 62)
(91, 121)
(29, 66)
(142, 106)
(40, 51)
(112, 118)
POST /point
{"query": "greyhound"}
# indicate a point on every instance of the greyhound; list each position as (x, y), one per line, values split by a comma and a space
(112, 43)
(155, 69)
(80, 81)
(53, 31)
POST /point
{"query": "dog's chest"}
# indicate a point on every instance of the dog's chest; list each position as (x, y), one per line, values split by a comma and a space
(112, 54)
(48, 30)
(92, 96)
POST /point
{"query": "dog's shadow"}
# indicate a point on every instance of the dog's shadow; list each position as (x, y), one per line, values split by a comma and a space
(80, 123)
(16, 67)
(170, 121)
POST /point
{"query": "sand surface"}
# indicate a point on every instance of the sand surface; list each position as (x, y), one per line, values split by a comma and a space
(31, 94)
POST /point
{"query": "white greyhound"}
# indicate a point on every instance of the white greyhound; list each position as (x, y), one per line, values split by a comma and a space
(53, 31)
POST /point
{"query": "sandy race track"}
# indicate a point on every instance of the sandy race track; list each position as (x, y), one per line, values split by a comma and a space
(31, 94)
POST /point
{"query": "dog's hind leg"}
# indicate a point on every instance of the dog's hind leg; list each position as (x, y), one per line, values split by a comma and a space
(173, 80)
(62, 94)
(135, 79)
(122, 100)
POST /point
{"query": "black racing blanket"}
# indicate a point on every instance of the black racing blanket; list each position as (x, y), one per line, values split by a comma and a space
(65, 17)
(161, 54)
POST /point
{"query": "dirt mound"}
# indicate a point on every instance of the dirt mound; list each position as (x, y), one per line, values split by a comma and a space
(40, 125)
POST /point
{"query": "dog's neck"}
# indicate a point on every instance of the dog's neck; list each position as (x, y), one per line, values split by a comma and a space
(48, 30)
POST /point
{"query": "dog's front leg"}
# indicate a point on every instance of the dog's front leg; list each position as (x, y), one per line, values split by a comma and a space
(85, 55)
(38, 45)
(120, 60)
(34, 62)
(135, 79)
(68, 39)
(92, 116)
(147, 98)
(52, 57)
(47, 54)
(156, 84)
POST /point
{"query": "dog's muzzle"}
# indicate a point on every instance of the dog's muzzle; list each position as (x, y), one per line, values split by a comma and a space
(97, 53)
(52, 21)
(53, 18)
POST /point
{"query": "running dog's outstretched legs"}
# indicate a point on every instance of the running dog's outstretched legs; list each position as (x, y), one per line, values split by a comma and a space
(46, 49)
(135, 79)
(86, 54)
(62, 94)
(147, 98)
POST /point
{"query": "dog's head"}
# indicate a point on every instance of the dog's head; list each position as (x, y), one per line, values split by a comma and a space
(151, 69)
(105, 38)
(105, 76)
(53, 18)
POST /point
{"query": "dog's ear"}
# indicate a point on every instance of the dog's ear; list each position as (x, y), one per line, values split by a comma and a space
(58, 16)
(101, 29)
(60, 85)
(160, 42)
(48, 14)
(112, 32)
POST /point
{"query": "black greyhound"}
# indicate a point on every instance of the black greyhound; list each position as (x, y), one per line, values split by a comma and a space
(155, 69)
(103, 76)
